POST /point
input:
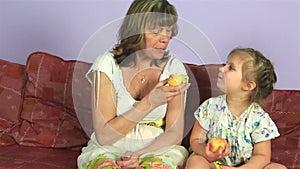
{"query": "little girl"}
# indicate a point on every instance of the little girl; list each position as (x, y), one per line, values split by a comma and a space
(237, 116)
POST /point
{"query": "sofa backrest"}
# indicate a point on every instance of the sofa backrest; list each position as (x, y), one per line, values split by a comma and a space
(12, 82)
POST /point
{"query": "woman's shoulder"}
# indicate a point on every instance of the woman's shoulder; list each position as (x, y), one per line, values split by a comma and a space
(174, 65)
(105, 57)
(174, 60)
(104, 63)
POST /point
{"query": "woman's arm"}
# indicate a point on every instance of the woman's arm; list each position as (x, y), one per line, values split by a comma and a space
(174, 126)
(109, 127)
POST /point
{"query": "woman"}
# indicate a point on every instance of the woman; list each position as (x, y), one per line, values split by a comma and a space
(137, 117)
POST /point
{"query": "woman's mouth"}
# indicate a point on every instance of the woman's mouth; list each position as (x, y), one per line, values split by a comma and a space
(159, 50)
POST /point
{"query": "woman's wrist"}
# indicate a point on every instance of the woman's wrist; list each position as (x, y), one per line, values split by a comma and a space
(144, 105)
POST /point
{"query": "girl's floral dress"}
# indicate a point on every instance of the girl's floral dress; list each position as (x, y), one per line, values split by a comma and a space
(252, 126)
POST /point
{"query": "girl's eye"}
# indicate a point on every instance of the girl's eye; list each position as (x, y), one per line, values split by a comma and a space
(230, 67)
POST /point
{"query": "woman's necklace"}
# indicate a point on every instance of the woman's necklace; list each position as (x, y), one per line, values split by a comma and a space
(143, 79)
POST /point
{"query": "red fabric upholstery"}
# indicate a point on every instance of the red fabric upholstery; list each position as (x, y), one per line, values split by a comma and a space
(48, 115)
(284, 108)
(11, 86)
(22, 157)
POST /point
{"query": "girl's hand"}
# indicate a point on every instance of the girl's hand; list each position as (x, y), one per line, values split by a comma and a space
(214, 156)
(130, 160)
(161, 94)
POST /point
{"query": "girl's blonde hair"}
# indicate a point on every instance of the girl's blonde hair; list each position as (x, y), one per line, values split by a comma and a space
(142, 13)
(256, 67)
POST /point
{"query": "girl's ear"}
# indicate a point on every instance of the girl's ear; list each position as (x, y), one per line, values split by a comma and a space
(249, 86)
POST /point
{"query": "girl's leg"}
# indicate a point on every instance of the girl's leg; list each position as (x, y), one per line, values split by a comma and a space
(196, 162)
(275, 166)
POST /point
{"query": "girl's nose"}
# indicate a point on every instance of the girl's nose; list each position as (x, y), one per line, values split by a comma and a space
(222, 69)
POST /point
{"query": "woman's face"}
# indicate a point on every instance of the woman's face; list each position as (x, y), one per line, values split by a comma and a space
(156, 41)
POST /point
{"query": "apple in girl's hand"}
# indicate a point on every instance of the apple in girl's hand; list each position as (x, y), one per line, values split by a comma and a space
(217, 143)
(176, 79)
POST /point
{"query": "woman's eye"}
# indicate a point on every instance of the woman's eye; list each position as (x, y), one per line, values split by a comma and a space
(155, 31)
(230, 67)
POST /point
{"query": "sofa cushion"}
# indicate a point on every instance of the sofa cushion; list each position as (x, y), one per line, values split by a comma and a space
(12, 82)
(48, 116)
(283, 108)
(22, 157)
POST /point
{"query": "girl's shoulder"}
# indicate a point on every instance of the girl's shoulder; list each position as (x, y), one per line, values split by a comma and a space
(214, 104)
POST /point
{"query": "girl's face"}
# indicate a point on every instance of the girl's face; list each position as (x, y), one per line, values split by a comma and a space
(156, 41)
(230, 79)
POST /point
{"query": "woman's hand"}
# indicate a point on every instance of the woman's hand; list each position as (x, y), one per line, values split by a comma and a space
(130, 160)
(214, 156)
(161, 94)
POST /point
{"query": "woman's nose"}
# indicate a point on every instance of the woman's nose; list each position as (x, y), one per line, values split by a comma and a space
(164, 38)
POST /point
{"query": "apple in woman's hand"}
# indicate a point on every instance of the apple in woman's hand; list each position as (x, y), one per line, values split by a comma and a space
(217, 143)
(176, 79)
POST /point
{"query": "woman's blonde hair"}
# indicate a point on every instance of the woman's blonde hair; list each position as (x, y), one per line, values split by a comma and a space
(142, 13)
(256, 67)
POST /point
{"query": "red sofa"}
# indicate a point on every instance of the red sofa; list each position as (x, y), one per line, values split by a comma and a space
(45, 116)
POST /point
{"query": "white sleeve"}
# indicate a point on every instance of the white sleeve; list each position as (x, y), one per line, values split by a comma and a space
(175, 66)
(104, 63)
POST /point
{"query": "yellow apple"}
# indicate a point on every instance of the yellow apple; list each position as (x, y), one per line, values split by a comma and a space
(216, 143)
(176, 79)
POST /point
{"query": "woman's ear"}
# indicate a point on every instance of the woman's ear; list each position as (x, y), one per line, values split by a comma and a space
(249, 86)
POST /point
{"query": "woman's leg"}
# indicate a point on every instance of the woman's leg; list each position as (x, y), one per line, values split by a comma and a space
(102, 162)
(157, 162)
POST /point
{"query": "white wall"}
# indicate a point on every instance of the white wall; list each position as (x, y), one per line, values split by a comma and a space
(209, 29)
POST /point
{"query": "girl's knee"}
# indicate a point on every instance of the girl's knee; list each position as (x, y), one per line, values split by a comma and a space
(195, 161)
(275, 166)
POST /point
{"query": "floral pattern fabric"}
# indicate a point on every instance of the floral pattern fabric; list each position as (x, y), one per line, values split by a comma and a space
(108, 161)
(252, 126)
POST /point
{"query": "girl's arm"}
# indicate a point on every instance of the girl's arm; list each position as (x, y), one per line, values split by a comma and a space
(200, 147)
(197, 139)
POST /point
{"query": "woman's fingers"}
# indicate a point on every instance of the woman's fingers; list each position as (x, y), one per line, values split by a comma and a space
(174, 91)
(162, 93)
(131, 160)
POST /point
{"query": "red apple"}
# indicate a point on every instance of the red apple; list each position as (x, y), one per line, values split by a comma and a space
(176, 79)
(216, 143)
